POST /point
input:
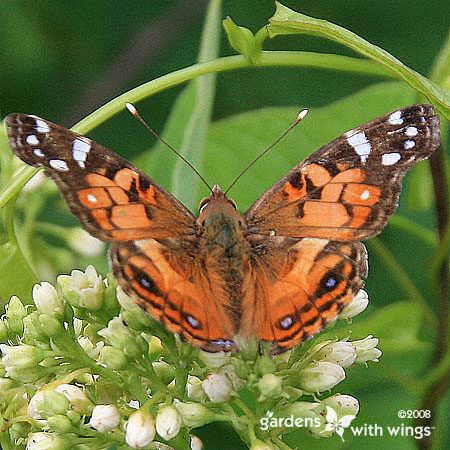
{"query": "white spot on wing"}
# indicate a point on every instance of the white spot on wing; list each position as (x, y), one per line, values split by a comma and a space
(91, 198)
(365, 195)
(358, 140)
(411, 131)
(388, 159)
(409, 144)
(38, 152)
(58, 164)
(41, 126)
(80, 148)
(395, 118)
(32, 140)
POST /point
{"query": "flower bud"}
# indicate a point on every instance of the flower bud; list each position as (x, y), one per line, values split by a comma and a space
(15, 312)
(196, 443)
(47, 300)
(77, 398)
(366, 349)
(112, 357)
(118, 335)
(342, 353)
(194, 389)
(194, 414)
(320, 376)
(214, 360)
(60, 424)
(356, 306)
(3, 330)
(165, 372)
(83, 290)
(84, 244)
(140, 429)
(168, 422)
(21, 356)
(230, 371)
(270, 386)
(343, 404)
(46, 441)
(46, 403)
(26, 374)
(135, 316)
(50, 325)
(105, 418)
(93, 351)
(260, 445)
(217, 387)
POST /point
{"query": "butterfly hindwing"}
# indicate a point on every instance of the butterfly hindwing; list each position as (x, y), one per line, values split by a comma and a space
(349, 188)
(112, 199)
(301, 286)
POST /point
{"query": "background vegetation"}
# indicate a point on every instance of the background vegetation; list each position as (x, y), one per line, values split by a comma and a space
(61, 60)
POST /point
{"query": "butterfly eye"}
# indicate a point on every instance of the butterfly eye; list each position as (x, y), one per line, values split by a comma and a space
(330, 282)
(192, 321)
(286, 322)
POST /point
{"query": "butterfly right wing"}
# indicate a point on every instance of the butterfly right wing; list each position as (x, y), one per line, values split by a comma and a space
(113, 199)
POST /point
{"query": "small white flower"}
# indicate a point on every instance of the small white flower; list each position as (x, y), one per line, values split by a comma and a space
(342, 353)
(47, 300)
(366, 349)
(320, 376)
(92, 350)
(45, 441)
(343, 404)
(118, 335)
(270, 386)
(194, 388)
(356, 306)
(217, 387)
(338, 425)
(46, 403)
(77, 398)
(140, 429)
(215, 360)
(20, 356)
(83, 289)
(85, 244)
(194, 414)
(196, 443)
(168, 422)
(105, 418)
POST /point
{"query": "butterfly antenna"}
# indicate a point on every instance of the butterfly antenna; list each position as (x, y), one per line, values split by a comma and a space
(132, 109)
(301, 115)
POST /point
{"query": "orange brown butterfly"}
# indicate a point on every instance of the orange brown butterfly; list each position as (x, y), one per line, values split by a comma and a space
(281, 272)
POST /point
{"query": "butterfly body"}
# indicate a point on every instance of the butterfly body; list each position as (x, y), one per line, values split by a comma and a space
(281, 272)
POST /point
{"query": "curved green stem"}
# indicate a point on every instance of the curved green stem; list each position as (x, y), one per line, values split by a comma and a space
(425, 234)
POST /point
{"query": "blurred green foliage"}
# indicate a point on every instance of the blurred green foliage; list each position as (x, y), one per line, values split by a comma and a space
(61, 60)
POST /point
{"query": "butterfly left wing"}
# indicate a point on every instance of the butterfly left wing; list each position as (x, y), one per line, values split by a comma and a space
(298, 286)
(113, 200)
(349, 188)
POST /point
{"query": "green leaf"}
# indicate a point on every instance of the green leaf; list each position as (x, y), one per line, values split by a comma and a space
(286, 21)
(419, 192)
(185, 183)
(241, 39)
(440, 72)
(16, 277)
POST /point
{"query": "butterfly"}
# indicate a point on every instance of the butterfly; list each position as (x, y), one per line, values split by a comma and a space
(281, 272)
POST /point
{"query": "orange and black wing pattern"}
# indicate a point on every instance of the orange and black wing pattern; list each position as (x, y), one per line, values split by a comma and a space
(349, 188)
(113, 200)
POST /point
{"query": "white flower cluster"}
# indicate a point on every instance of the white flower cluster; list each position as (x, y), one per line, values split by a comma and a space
(90, 364)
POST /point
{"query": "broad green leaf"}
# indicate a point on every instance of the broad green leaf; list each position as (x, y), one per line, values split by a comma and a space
(241, 39)
(16, 277)
(441, 68)
(286, 21)
(185, 183)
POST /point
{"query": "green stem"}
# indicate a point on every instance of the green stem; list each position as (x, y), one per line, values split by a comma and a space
(403, 279)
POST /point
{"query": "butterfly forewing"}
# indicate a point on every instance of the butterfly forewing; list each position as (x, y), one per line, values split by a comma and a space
(112, 199)
(349, 188)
